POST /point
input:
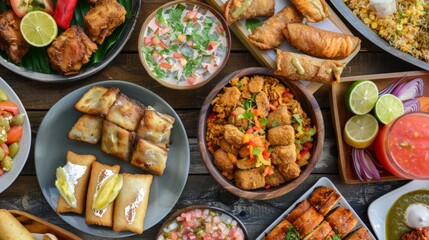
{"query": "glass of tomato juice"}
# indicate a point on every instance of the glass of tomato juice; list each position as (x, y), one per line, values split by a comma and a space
(402, 146)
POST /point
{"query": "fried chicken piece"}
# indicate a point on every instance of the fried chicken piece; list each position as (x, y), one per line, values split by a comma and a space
(11, 39)
(71, 50)
(103, 19)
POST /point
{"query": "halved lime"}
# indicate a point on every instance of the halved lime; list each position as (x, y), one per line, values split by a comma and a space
(108, 192)
(360, 131)
(63, 188)
(38, 28)
(361, 96)
(388, 107)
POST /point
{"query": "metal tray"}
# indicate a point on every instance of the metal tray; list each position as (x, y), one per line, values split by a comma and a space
(374, 37)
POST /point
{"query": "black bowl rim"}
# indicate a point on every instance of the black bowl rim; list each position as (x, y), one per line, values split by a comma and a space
(202, 206)
(259, 194)
(56, 78)
(227, 53)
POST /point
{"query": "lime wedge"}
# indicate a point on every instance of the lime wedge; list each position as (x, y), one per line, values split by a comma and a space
(107, 192)
(361, 130)
(38, 28)
(361, 96)
(388, 107)
(63, 188)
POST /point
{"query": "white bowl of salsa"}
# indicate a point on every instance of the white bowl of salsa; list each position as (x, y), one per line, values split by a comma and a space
(184, 44)
(202, 222)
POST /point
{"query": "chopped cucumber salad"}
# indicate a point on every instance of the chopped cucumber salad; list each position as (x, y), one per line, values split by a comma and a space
(184, 44)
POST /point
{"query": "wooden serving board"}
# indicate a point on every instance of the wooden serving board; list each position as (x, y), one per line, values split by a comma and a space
(268, 58)
(37, 225)
(340, 115)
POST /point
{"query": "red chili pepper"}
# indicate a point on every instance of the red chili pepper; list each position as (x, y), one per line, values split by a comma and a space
(64, 12)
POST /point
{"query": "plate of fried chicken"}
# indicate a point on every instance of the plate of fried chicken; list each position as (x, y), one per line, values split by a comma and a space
(78, 52)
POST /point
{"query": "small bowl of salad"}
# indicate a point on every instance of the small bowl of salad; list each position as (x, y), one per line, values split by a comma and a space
(184, 44)
(15, 136)
(202, 222)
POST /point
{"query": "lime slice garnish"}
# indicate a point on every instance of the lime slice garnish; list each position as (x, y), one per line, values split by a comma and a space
(63, 188)
(38, 28)
(361, 130)
(107, 192)
(361, 97)
(388, 107)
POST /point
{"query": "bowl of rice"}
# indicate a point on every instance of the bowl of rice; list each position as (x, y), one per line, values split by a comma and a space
(260, 135)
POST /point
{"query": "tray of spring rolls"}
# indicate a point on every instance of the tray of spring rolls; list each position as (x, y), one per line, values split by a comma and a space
(320, 213)
(80, 46)
(112, 158)
(300, 39)
(17, 225)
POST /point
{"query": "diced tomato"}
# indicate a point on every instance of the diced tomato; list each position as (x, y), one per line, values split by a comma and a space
(177, 55)
(266, 154)
(164, 30)
(308, 145)
(49, 7)
(14, 134)
(303, 152)
(155, 40)
(181, 38)
(267, 186)
(191, 14)
(191, 80)
(268, 170)
(9, 106)
(147, 41)
(211, 45)
(219, 29)
(162, 44)
(19, 7)
(190, 43)
(256, 141)
(255, 111)
(155, 55)
(165, 65)
(250, 130)
(212, 115)
(5, 149)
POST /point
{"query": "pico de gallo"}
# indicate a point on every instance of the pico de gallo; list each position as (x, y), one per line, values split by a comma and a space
(202, 224)
(184, 44)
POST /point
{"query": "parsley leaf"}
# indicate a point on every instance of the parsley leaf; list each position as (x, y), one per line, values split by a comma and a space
(252, 24)
(159, 16)
(292, 234)
(297, 118)
(257, 151)
(336, 237)
(248, 115)
(275, 123)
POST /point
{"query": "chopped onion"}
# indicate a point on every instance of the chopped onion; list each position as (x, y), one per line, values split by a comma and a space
(411, 105)
(365, 167)
(409, 90)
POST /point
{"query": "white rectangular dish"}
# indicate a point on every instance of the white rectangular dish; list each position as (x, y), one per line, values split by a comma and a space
(377, 211)
(321, 182)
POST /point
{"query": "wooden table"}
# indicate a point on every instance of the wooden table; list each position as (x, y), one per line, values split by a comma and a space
(24, 194)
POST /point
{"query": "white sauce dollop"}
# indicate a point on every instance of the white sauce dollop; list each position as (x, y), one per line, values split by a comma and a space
(383, 8)
(73, 173)
(130, 209)
(417, 215)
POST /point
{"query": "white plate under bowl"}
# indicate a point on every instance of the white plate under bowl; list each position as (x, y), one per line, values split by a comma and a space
(377, 211)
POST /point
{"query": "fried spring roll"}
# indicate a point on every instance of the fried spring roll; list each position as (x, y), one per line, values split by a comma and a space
(236, 10)
(313, 10)
(269, 35)
(320, 43)
(11, 228)
(302, 67)
(99, 174)
(77, 162)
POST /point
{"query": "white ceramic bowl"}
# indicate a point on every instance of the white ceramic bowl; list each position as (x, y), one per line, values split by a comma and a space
(25, 143)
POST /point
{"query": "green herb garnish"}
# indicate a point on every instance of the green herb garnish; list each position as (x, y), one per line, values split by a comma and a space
(252, 24)
(275, 123)
(292, 234)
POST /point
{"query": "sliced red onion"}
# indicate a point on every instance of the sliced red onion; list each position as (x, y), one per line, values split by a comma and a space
(409, 90)
(391, 86)
(374, 160)
(411, 105)
(365, 167)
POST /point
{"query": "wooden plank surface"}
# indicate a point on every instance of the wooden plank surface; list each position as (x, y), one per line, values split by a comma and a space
(38, 98)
